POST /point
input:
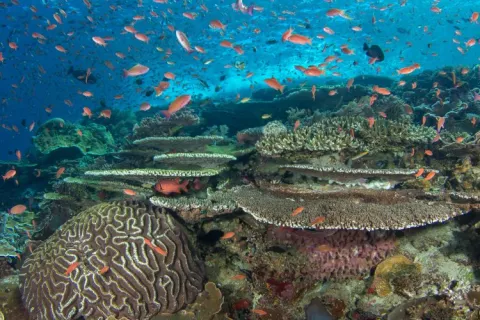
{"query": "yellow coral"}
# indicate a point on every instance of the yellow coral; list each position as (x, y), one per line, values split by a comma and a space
(390, 269)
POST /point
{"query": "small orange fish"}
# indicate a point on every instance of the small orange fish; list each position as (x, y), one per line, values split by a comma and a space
(428, 153)
(474, 121)
(72, 267)
(18, 209)
(314, 89)
(459, 139)
(104, 270)
(228, 235)
(60, 171)
(296, 125)
(371, 121)
(419, 172)
(238, 277)
(430, 175)
(317, 220)
(297, 211)
(260, 312)
(440, 123)
(129, 192)
(18, 153)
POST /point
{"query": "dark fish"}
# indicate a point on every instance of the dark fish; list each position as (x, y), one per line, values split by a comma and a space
(218, 88)
(272, 41)
(24, 122)
(222, 77)
(80, 75)
(374, 52)
(149, 93)
(139, 81)
(403, 30)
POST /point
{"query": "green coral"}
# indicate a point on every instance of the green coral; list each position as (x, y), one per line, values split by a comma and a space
(56, 134)
(353, 134)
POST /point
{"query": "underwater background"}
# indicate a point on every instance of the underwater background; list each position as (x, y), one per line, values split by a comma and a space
(263, 159)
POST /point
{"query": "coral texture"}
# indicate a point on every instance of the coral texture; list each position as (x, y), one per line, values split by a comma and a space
(204, 160)
(57, 135)
(335, 254)
(356, 209)
(197, 143)
(159, 126)
(353, 134)
(125, 173)
(139, 281)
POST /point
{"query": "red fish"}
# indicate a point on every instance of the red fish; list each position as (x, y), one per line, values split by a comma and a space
(72, 267)
(176, 105)
(183, 40)
(167, 187)
(18, 209)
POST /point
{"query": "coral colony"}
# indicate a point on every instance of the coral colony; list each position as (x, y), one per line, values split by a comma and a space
(216, 160)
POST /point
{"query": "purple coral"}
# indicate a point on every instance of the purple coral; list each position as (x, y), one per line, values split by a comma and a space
(335, 253)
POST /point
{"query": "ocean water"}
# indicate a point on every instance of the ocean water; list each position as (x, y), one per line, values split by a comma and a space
(263, 159)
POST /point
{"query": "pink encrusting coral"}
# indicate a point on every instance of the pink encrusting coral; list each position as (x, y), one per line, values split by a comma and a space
(335, 254)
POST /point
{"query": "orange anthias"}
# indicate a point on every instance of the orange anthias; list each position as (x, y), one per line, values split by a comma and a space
(176, 105)
(168, 187)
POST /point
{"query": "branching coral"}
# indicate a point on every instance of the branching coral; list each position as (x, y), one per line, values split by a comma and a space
(203, 160)
(159, 126)
(345, 134)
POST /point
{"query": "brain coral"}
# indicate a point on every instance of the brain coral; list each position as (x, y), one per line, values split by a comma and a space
(140, 280)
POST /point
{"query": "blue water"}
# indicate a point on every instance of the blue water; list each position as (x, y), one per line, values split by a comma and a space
(395, 27)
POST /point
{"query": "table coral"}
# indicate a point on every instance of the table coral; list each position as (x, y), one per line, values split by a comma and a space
(139, 281)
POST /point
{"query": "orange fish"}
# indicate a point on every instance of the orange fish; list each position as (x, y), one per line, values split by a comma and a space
(104, 270)
(430, 175)
(350, 83)
(129, 192)
(72, 267)
(314, 89)
(440, 123)
(176, 105)
(297, 211)
(459, 139)
(337, 12)
(107, 113)
(9, 174)
(18, 209)
(18, 153)
(169, 75)
(299, 39)
(155, 248)
(296, 125)
(428, 153)
(371, 121)
(260, 312)
(238, 277)
(136, 70)
(168, 187)
(87, 112)
(317, 220)
(217, 24)
(228, 235)
(287, 34)
(382, 91)
(274, 84)
(409, 69)
(60, 171)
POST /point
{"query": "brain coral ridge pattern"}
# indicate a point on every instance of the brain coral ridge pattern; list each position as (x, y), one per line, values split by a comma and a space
(139, 282)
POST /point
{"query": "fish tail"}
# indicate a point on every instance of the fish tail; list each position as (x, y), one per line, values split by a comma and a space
(166, 113)
(281, 89)
(184, 185)
(125, 73)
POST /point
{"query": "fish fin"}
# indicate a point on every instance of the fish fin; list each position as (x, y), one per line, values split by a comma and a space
(184, 185)
(166, 114)
(281, 89)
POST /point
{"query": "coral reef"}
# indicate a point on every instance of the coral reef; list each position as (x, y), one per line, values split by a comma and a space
(159, 126)
(201, 160)
(193, 209)
(102, 266)
(197, 143)
(59, 139)
(352, 209)
(135, 173)
(353, 134)
(206, 307)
